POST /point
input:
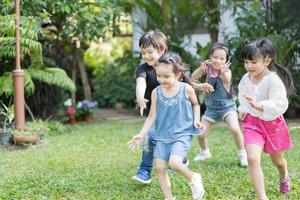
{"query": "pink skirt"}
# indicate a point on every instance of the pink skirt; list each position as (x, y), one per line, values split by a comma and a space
(273, 136)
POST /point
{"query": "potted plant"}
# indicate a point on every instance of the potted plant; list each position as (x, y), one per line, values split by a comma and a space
(7, 116)
(70, 111)
(85, 109)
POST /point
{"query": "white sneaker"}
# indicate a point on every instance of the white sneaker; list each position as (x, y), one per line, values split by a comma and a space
(186, 162)
(203, 155)
(197, 187)
(242, 155)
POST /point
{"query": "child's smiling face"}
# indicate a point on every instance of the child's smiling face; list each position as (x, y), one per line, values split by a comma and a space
(257, 67)
(218, 58)
(151, 55)
(166, 76)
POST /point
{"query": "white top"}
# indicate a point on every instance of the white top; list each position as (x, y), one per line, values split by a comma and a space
(270, 92)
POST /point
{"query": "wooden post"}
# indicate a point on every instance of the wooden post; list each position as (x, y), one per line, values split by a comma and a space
(18, 77)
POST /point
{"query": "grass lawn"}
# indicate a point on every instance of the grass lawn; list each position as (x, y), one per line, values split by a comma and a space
(93, 162)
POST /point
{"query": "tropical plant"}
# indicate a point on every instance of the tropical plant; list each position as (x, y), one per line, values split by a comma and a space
(74, 24)
(264, 21)
(7, 117)
(29, 47)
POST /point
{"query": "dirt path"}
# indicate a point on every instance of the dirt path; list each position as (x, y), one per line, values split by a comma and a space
(113, 114)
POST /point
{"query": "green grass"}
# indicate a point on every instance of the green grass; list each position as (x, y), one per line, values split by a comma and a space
(93, 162)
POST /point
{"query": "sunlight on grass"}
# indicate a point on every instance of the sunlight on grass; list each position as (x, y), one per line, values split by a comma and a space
(93, 162)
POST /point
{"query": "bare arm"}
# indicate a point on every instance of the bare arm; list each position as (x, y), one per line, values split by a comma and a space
(136, 140)
(196, 107)
(225, 73)
(152, 115)
(197, 74)
(226, 77)
(140, 90)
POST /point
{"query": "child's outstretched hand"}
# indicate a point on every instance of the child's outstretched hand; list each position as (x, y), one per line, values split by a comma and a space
(225, 67)
(206, 87)
(143, 105)
(135, 142)
(253, 103)
(200, 125)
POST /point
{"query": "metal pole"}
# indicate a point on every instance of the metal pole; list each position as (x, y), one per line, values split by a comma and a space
(18, 77)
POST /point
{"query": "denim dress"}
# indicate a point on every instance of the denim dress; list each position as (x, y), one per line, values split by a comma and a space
(174, 125)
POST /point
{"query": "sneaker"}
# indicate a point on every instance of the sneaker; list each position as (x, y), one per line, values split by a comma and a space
(285, 185)
(185, 161)
(197, 187)
(242, 155)
(142, 176)
(203, 155)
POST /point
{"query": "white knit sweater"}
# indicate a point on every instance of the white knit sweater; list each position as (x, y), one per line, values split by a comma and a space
(270, 92)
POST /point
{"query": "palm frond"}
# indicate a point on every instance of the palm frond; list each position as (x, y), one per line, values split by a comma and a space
(6, 86)
(28, 36)
(53, 76)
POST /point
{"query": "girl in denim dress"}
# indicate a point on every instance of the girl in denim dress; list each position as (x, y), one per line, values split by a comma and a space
(220, 100)
(175, 112)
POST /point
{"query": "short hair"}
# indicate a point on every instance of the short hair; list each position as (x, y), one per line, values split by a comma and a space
(155, 38)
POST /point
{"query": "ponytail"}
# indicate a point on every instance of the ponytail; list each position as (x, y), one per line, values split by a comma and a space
(286, 78)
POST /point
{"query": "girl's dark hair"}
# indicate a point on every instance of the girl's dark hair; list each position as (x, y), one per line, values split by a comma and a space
(175, 60)
(219, 45)
(264, 48)
(155, 38)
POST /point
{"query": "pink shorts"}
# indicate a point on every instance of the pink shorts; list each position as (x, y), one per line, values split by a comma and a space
(273, 136)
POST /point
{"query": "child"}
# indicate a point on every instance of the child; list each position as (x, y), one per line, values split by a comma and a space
(220, 100)
(152, 44)
(263, 100)
(175, 111)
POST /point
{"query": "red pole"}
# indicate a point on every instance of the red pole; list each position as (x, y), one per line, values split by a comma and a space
(18, 78)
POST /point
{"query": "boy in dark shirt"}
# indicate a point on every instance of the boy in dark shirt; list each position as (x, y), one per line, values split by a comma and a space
(152, 45)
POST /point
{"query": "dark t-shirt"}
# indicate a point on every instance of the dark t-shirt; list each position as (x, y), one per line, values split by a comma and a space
(149, 74)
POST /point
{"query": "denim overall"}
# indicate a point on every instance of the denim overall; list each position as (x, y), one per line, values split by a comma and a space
(219, 103)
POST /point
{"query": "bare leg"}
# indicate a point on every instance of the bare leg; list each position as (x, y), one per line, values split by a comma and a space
(163, 178)
(234, 126)
(175, 163)
(194, 179)
(202, 139)
(281, 164)
(255, 170)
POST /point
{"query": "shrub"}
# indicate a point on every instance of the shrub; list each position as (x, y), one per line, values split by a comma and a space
(116, 82)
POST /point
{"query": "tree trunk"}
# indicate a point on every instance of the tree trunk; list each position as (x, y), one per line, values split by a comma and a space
(83, 74)
(74, 74)
(213, 16)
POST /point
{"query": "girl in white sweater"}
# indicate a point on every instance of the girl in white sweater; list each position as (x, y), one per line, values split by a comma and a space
(263, 100)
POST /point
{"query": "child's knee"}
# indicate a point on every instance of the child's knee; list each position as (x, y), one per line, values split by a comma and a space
(160, 169)
(280, 162)
(252, 158)
(175, 164)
